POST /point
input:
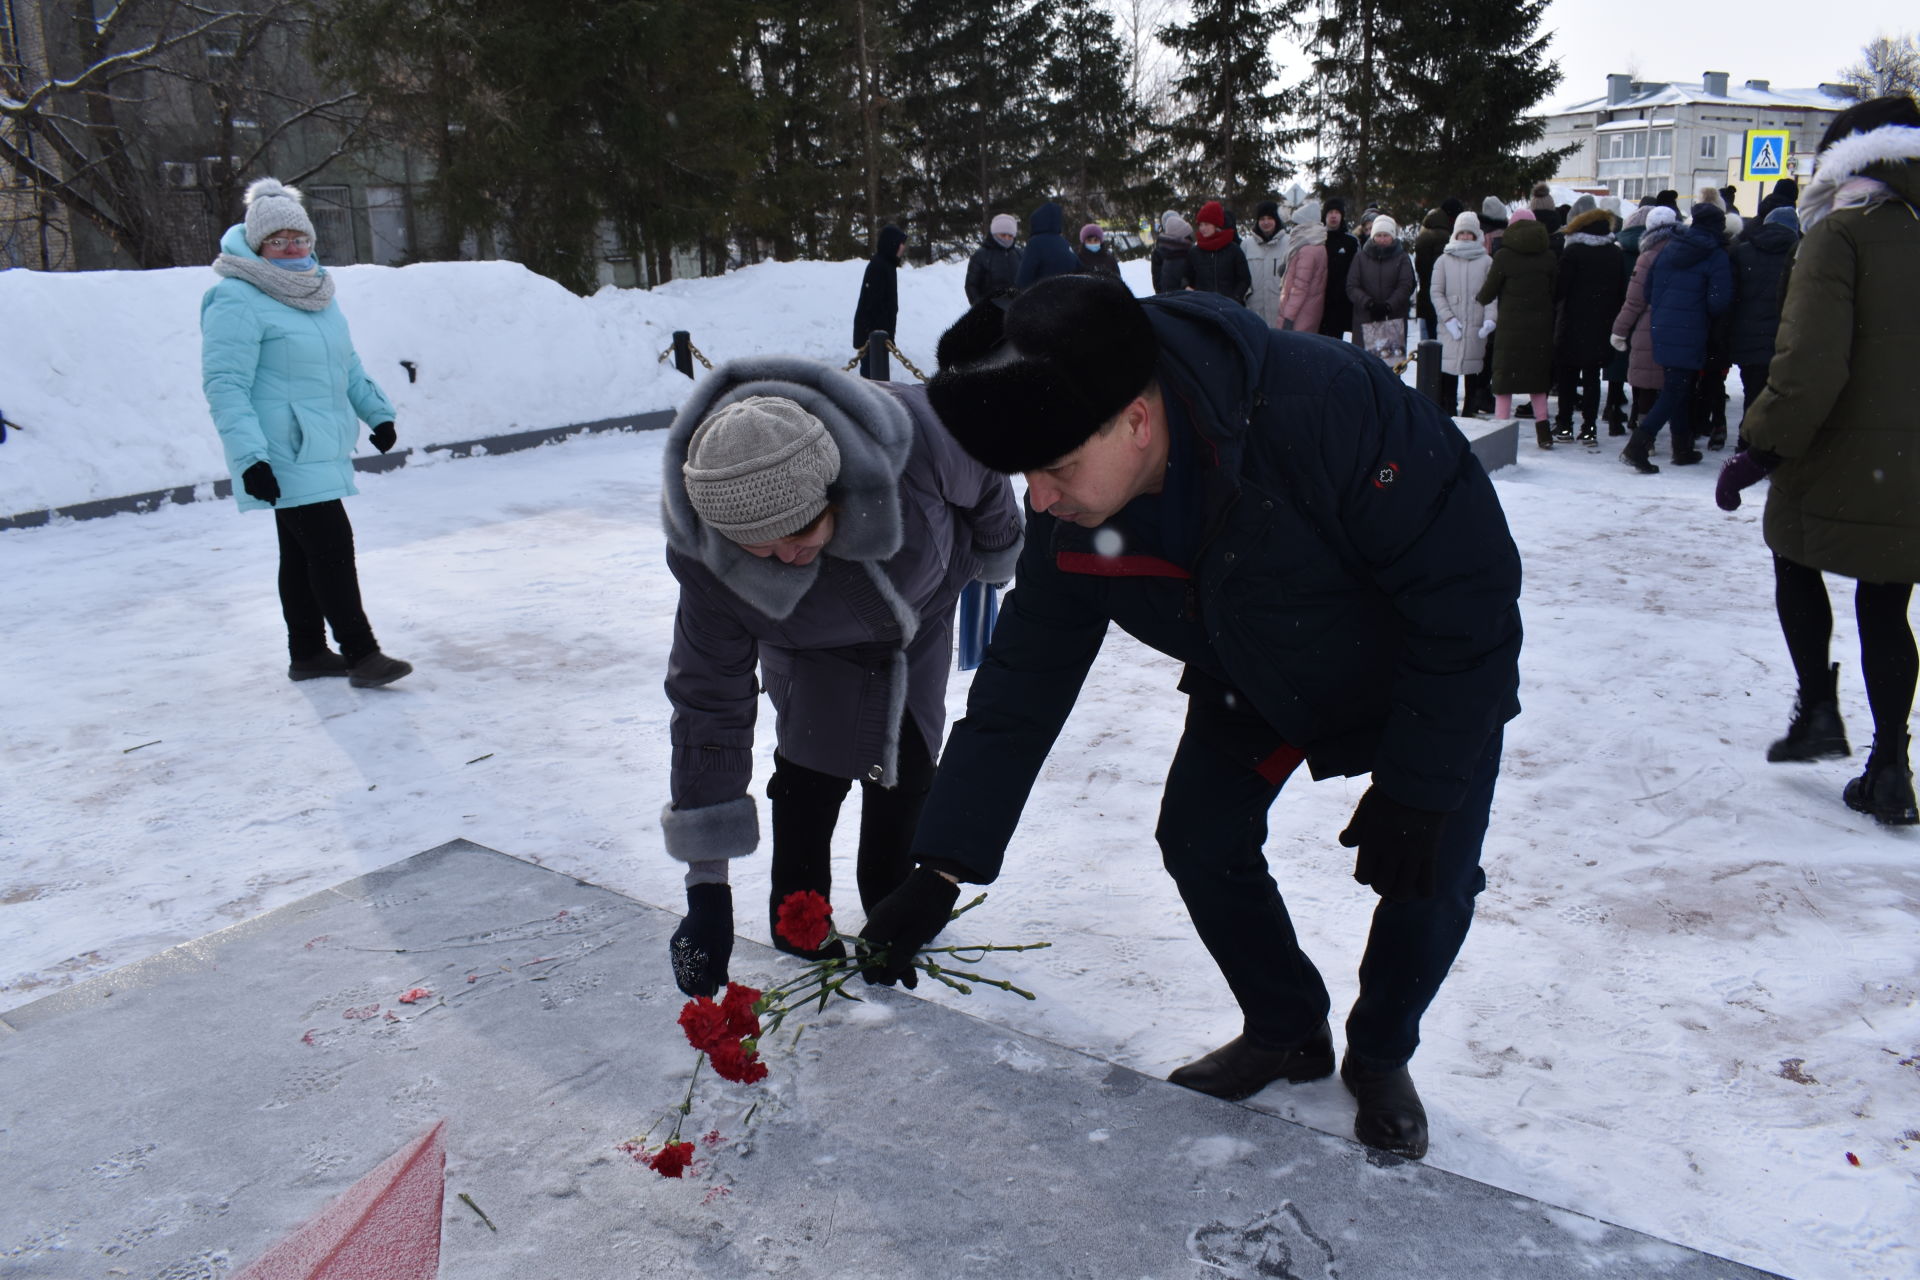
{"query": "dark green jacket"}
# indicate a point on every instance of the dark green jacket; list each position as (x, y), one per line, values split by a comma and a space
(1842, 402)
(1522, 282)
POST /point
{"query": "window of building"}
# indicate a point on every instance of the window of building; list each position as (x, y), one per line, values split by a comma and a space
(1709, 146)
(222, 48)
(1663, 142)
(331, 209)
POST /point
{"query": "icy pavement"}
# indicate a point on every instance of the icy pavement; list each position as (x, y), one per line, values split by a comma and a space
(192, 1110)
(1689, 997)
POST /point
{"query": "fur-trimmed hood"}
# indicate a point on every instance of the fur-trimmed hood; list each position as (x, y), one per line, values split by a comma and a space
(1886, 155)
(875, 436)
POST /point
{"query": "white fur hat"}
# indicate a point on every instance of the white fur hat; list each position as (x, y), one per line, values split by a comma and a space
(273, 206)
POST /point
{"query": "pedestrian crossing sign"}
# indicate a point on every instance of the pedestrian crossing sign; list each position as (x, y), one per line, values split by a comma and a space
(1766, 154)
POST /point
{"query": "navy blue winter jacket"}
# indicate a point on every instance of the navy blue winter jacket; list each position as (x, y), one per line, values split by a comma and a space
(1047, 253)
(1691, 284)
(1350, 574)
(1759, 282)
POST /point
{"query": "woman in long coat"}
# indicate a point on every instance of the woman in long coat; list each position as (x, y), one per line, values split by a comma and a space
(1521, 281)
(1837, 428)
(1591, 285)
(821, 528)
(1303, 290)
(1379, 286)
(288, 395)
(1633, 327)
(1464, 321)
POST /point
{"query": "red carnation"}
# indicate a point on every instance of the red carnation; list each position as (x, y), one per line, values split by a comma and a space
(732, 1062)
(737, 1007)
(704, 1023)
(803, 919)
(671, 1161)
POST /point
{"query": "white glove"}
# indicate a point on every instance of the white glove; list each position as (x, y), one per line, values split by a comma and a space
(1619, 341)
(1486, 328)
(1455, 328)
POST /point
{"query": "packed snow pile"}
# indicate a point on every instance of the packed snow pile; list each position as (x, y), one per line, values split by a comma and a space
(103, 368)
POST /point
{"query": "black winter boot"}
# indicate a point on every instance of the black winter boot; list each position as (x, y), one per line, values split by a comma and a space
(1815, 732)
(1635, 454)
(375, 670)
(322, 664)
(1588, 435)
(1616, 410)
(1240, 1068)
(1885, 790)
(1390, 1117)
(1543, 435)
(1684, 454)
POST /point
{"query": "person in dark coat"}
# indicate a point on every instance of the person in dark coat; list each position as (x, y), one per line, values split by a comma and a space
(1785, 193)
(1093, 254)
(1633, 328)
(1048, 253)
(1690, 284)
(1336, 318)
(1493, 228)
(879, 305)
(1760, 266)
(1588, 289)
(1218, 264)
(995, 265)
(1435, 230)
(1172, 257)
(1522, 282)
(1319, 547)
(1380, 285)
(821, 528)
(1837, 431)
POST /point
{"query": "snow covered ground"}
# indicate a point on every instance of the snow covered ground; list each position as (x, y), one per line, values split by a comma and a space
(1691, 991)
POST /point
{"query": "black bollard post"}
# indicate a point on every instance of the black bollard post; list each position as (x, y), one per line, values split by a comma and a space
(1427, 377)
(874, 365)
(683, 352)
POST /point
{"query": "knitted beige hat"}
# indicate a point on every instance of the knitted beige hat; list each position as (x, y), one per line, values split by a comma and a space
(273, 206)
(758, 469)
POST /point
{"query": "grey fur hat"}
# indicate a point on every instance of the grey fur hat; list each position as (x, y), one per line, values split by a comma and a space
(758, 469)
(273, 206)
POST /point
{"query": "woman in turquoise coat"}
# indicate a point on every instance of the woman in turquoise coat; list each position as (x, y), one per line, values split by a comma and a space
(288, 395)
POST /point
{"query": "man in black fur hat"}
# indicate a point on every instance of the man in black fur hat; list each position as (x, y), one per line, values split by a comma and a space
(1320, 547)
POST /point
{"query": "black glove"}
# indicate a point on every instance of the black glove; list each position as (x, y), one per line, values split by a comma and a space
(383, 436)
(703, 943)
(1397, 846)
(259, 482)
(1378, 311)
(903, 922)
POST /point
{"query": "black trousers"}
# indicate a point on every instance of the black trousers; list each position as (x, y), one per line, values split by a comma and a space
(1888, 658)
(806, 806)
(1565, 374)
(1213, 824)
(318, 581)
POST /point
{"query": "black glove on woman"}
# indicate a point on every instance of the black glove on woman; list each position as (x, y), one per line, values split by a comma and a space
(903, 922)
(703, 943)
(383, 436)
(260, 482)
(1398, 845)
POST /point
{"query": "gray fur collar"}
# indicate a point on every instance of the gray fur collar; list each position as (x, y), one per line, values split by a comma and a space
(1587, 237)
(1850, 158)
(875, 437)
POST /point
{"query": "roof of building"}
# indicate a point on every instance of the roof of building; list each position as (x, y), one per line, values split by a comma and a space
(1675, 93)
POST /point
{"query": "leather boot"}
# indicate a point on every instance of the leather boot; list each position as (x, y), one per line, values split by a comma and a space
(1240, 1068)
(1885, 790)
(1390, 1117)
(1684, 454)
(1635, 454)
(1543, 435)
(322, 664)
(1815, 732)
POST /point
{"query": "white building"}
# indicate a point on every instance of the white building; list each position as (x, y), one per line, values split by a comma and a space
(1645, 137)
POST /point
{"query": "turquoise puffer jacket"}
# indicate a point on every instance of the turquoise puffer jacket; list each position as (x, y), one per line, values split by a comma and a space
(285, 387)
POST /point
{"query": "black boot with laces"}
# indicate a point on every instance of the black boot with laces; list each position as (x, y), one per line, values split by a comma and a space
(1885, 790)
(1815, 732)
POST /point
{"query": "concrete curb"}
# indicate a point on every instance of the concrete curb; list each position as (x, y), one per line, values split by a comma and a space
(512, 442)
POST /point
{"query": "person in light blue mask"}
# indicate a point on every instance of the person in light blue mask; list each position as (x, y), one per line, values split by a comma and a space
(288, 394)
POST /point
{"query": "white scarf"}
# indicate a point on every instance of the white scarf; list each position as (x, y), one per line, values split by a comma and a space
(307, 290)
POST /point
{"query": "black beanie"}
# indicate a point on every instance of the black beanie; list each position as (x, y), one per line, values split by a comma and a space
(1709, 217)
(1451, 206)
(1024, 382)
(1267, 209)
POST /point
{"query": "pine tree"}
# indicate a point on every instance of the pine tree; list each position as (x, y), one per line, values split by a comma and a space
(1091, 126)
(1229, 138)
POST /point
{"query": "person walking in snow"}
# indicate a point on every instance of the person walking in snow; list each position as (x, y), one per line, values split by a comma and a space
(1047, 253)
(821, 528)
(1645, 238)
(1318, 545)
(287, 393)
(1380, 286)
(1760, 264)
(1589, 287)
(1266, 254)
(879, 304)
(1464, 322)
(1688, 284)
(1172, 257)
(996, 263)
(1522, 282)
(1303, 289)
(1217, 264)
(1336, 316)
(1092, 253)
(1836, 428)
(1435, 231)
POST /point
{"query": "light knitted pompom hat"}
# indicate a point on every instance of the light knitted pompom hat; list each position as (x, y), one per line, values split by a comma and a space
(273, 206)
(758, 469)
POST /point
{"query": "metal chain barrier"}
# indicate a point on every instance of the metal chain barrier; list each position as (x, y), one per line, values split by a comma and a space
(859, 354)
(901, 356)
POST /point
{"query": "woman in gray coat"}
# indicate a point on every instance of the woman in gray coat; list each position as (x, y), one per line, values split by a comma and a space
(821, 528)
